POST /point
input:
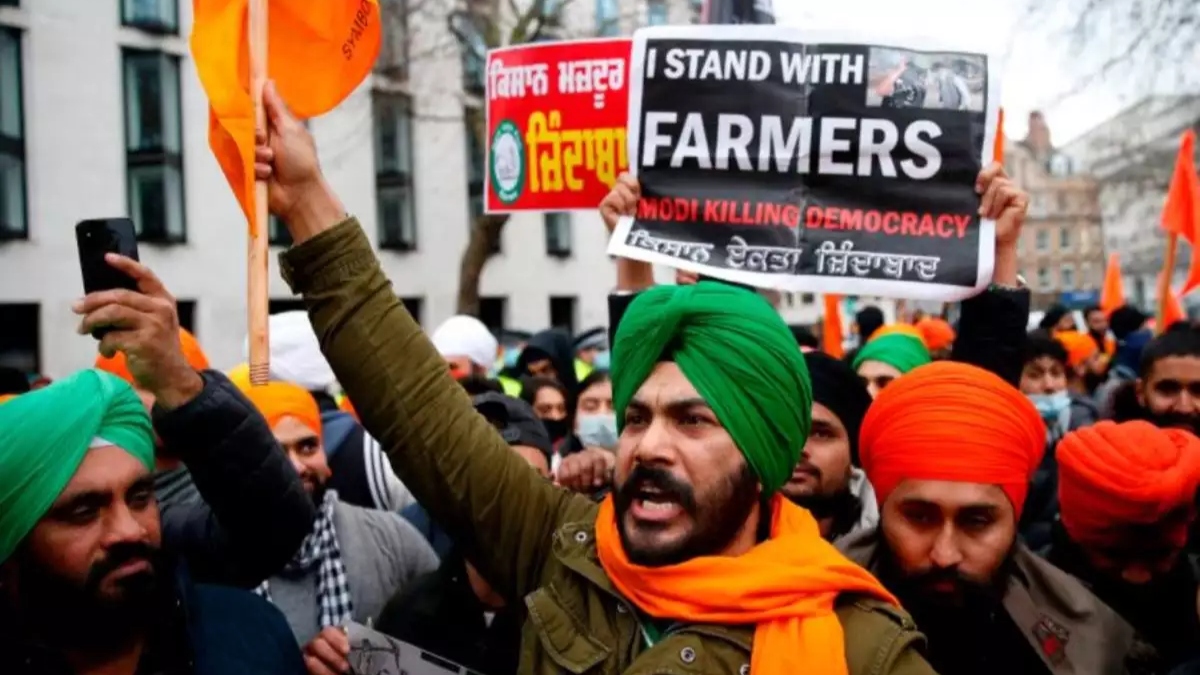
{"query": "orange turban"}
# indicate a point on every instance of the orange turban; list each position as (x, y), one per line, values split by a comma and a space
(347, 407)
(953, 422)
(191, 351)
(901, 328)
(4, 398)
(277, 400)
(1080, 346)
(937, 333)
(1112, 475)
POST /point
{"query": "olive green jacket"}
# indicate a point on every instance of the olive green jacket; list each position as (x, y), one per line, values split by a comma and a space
(532, 540)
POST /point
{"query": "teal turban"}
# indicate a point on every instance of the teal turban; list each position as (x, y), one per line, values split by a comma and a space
(899, 350)
(45, 434)
(739, 355)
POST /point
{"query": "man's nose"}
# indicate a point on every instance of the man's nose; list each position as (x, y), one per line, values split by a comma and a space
(123, 526)
(655, 447)
(946, 552)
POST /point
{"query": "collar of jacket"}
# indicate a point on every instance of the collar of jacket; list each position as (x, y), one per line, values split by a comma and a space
(168, 650)
(1069, 629)
(575, 548)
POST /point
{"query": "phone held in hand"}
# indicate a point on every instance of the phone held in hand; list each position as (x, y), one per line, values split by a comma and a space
(97, 238)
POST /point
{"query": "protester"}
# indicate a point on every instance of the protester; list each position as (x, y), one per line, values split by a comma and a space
(551, 354)
(938, 335)
(805, 338)
(353, 559)
(467, 345)
(866, 321)
(1117, 396)
(1097, 329)
(591, 345)
(950, 450)
(888, 356)
(454, 610)
(208, 438)
(553, 405)
(1057, 318)
(89, 581)
(828, 481)
(1085, 363)
(556, 550)
(1128, 498)
(362, 475)
(1168, 383)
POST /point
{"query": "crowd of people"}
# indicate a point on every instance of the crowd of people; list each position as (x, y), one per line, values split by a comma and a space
(695, 489)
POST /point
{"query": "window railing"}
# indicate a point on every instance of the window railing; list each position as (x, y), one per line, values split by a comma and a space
(153, 16)
(153, 146)
(13, 191)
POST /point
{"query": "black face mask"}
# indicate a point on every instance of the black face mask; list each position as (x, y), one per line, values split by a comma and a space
(556, 428)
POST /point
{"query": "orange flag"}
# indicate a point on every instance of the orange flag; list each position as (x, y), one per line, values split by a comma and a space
(1172, 310)
(1112, 294)
(831, 328)
(1181, 213)
(998, 148)
(318, 53)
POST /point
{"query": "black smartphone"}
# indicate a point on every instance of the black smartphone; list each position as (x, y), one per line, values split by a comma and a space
(97, 238)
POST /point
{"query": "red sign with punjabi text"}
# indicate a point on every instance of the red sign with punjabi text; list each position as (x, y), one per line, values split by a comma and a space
(556, 119)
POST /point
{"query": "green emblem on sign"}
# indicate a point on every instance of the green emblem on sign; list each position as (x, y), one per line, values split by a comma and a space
(507, 162)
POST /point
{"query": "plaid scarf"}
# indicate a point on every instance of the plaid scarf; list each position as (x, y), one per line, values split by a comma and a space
(320, 549)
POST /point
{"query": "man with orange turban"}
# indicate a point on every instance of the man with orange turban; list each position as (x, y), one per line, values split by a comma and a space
(938, 335)
(1085, 361)
(1127, 495)
(950, 449)
(354, 559)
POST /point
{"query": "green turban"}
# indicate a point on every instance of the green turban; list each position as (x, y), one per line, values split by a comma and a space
(738, 354)
(45, 434)
(899, 350)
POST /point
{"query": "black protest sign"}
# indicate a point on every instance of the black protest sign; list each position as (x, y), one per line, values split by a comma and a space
(807, 161)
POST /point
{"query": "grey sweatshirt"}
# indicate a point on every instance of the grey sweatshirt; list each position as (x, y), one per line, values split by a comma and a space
(382, 554)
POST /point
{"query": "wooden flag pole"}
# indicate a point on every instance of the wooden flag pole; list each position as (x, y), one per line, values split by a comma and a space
(1164, 282)
(256, 279)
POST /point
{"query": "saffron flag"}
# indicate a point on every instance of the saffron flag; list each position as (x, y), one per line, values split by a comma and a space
(1181, 213)
(318, 53)
(1171, 310)
(998, 146)
(1112, 294)
(831, 326)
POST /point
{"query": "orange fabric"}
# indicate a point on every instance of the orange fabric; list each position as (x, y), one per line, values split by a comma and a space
(937, 333)
(347, 407)
(191, 351)
(831, 326)
(1080, 346)
(1134, 473)
(902, 328)
(1112, 294)
(786, 585)
(953, 422)
(277, 400)
(319, 52)
(4, 398)
(1171, 309)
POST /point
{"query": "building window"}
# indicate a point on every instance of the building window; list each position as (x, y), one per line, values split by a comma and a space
(1085, 275)
(1068, 278)
(656, 12)
(415, 307)
(395, 199)
(1064, 238)
(1044, 278)
(1043, 240)
(493, 312)
(152, 16)
(558, 233)
(807, 298)
(20, 341)
(608, 19)
(10, 3)
(562, 313)
(154, 145)
(1064, 202)
(474, 59)
(281, 305)
(12, 139)
(277, 233)
(393, 52)
(186, 310)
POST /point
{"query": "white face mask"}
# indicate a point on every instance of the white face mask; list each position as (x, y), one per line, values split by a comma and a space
(597, 431)
(1050, 406)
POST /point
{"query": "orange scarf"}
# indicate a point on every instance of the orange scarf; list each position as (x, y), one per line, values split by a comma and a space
(786, 585)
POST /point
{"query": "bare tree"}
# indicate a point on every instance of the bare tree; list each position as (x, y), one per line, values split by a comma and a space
(1134, 46)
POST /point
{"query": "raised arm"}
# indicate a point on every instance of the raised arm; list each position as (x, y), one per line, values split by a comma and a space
(499, 511)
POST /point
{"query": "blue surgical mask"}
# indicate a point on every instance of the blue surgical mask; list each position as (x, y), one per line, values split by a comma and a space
(602, 360)
(510, 357)
(597, 431)
(1051, 406)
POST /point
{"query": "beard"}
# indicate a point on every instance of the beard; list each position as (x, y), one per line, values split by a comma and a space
(970, 595)
(716, 515)
(88, 616)
(1175, 420)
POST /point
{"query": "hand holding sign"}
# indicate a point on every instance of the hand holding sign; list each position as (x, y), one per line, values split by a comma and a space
(1003, 202)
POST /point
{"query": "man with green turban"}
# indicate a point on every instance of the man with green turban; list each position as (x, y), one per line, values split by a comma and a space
(888, 356)
(84, 576)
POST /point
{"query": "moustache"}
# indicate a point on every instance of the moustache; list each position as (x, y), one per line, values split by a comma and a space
(1175, 420)
(807, 469)
(119, 555)
(659, 480)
